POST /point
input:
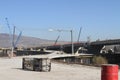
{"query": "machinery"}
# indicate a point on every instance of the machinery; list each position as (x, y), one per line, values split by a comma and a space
(12, 37)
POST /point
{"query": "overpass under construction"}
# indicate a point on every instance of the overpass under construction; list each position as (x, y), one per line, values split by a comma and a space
(92, 47)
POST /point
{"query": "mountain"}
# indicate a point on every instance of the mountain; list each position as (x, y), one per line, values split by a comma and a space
(6, 42)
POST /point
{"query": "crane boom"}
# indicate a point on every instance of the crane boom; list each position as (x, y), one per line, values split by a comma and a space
(10, 32)
(79, 34)
(18, 38)
(57, 40)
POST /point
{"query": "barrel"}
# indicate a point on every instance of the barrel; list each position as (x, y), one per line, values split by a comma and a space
(109, 72)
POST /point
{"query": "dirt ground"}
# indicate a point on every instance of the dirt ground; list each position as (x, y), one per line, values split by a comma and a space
(11, 69)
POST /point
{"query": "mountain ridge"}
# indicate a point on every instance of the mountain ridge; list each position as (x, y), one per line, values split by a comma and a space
(25, 41)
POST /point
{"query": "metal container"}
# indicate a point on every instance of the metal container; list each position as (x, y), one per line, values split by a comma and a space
(109, 72)
(37, 64)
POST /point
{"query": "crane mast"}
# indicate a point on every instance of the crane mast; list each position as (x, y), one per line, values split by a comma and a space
(12, 37)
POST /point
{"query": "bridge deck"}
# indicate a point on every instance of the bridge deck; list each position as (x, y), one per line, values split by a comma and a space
(106, 42)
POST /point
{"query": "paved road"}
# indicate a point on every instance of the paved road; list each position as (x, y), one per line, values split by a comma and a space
(10, 69)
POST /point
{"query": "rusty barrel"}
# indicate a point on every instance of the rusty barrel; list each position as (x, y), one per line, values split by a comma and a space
(109, 72)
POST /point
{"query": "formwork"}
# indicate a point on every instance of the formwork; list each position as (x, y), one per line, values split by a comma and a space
(36, 64)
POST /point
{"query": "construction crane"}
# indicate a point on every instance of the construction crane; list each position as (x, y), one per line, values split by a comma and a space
(18, 38)
(10, 32)
(15, 42)
(79, 34)
(12, 37)
(56, 40)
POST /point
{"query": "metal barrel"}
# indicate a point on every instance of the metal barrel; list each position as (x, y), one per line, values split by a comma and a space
(109, 72)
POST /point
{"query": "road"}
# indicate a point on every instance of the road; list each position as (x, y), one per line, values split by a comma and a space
(11, 69)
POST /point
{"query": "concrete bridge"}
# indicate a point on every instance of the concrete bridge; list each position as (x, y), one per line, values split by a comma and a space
(92, 47)
(96, 46)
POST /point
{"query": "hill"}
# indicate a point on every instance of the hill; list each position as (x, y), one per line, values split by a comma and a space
(24, 41)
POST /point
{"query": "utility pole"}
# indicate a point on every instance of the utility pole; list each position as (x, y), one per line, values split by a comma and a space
(72, 41)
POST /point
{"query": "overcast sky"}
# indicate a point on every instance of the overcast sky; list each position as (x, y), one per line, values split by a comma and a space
(99, 19)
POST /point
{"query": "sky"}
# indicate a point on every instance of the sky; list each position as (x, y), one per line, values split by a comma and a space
(99, 19)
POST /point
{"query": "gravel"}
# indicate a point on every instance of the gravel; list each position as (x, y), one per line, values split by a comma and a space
(11, 69)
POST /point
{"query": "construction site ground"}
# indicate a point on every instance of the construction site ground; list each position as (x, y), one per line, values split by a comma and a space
(11, 69)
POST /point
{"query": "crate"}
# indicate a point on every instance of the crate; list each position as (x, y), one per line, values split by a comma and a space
(36, 64)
